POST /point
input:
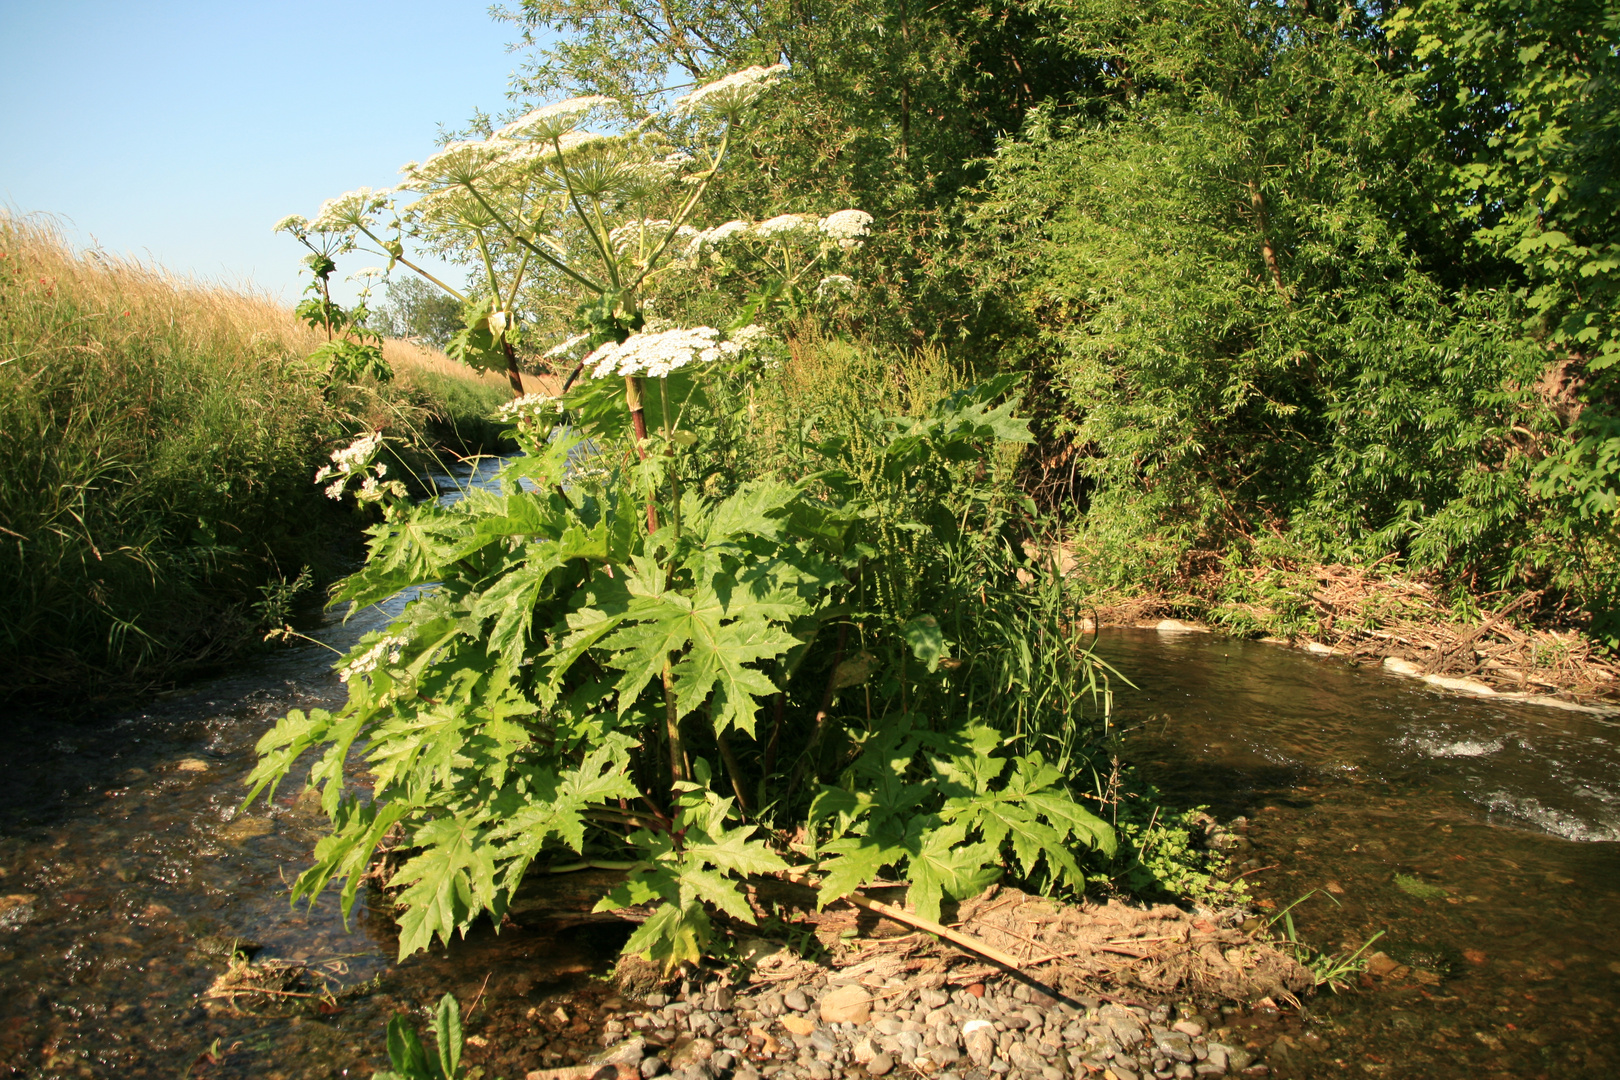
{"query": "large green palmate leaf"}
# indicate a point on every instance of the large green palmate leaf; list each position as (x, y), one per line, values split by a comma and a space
(449, 882)
(551, 805)
(284, 744)
(703, 867)
(357, 829)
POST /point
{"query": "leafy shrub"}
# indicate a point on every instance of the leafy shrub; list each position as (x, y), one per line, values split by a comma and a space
(645, 653)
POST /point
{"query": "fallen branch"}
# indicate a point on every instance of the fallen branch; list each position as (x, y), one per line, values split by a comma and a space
(900, 915)
(955, 937)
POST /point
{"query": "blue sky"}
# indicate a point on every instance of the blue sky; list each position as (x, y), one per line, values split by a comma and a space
(179, 132)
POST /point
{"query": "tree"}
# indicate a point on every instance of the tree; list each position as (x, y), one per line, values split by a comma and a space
(415, 309)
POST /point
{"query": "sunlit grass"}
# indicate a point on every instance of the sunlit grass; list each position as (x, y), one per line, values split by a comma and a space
(159, 439)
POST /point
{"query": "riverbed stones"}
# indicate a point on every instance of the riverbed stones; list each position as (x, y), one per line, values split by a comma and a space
(846, 1005)
(796, 1000)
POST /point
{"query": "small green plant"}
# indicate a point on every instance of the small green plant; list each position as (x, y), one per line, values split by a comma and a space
(1162, 855)
(411, 1061)
(1331, 970)
(352, 349)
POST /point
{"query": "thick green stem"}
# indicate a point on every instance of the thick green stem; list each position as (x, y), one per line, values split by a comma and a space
(672, 730)
(733, 770)
(638, 424)
(674, 463)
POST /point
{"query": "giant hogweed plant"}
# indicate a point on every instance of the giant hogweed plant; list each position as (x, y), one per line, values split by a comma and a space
(625, 652)
(545, 206)
(604, 660)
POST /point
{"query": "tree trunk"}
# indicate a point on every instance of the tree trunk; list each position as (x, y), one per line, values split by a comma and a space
(1258, 201)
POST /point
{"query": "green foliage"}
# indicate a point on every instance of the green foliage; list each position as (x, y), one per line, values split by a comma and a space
(416, 309)
(1161, 853)
(694, 865)
(990, 816)
(1229, 288)
(1333, 970)
(584, 636)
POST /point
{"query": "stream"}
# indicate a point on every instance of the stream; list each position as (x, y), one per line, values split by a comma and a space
(1480, 837)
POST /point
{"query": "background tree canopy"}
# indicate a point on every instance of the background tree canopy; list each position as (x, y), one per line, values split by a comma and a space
(1336, 280)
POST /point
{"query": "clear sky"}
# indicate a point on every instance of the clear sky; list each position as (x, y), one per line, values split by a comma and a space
(181, 131)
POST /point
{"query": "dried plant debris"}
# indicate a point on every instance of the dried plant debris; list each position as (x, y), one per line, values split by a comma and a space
(272, 987)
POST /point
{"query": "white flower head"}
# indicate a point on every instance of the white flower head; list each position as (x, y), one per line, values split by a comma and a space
(785, 224)
(458, 163)
(569, 350)
(388, 647)
(847, 226)
(351, 210)
(358, 454)
(835, 285)
(530, 409)
(732, 94)
(551, 121)
(370, 273)
(643, 230)
(749, 337)
(720, 234)
(292, 223)
(655, 355)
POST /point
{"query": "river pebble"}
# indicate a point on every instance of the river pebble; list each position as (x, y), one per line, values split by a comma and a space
(817, 1030)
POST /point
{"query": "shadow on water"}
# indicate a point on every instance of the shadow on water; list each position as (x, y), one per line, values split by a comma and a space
(1482, 837)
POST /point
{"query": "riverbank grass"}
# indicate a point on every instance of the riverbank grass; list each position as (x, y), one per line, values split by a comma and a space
(155, 477)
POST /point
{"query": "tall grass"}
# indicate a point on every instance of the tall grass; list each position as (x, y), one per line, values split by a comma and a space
(159, 440)
(1026, 667)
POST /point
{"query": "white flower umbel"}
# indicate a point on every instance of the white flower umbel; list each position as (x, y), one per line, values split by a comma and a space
(720, 234)
(847, 226)
(353, 460)
(655, 355)
(359, 453)
(750, 336)
(568, 350)
(529, 409)
(732, 94)
(370, 273)
(785, 224)
(835, 285)
(364, 664)
(458, 163)
(550, 121)
(351, 210)
(292, 223)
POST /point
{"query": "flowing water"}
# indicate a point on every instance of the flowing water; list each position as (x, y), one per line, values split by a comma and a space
(1481, 837)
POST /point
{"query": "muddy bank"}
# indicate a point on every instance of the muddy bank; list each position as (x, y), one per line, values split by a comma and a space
(1512, 645)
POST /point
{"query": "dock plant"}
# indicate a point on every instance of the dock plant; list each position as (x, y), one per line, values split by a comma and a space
(635, 650)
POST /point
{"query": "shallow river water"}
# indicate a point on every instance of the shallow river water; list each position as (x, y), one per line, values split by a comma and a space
(1482, 838)
(129, 877)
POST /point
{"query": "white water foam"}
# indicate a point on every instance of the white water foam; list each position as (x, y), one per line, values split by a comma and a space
(1557, 822)
(1453, 748)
